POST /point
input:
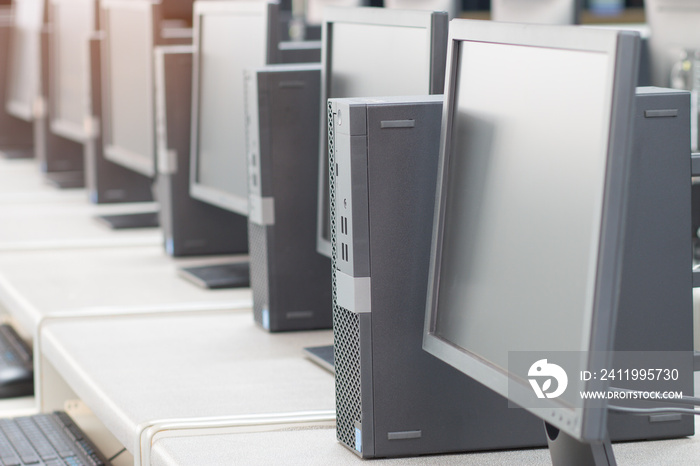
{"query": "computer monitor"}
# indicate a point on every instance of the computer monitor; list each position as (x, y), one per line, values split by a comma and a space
(537, 11)
(72, 21)
(25, 56)
(526, 250)
(130, 34)
(131, 30)
(229, 36)
(371, 52)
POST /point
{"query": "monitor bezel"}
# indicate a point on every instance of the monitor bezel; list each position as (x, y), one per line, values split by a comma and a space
(623, 48)
(434, 21)
(78, 132)
(208, 194)
(112, 152)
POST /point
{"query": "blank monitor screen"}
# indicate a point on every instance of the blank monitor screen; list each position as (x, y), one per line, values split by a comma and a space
(229, 37)
(72, 21)
(530, 199)
(373, 52)
(25, 59)
(537, 11)
(128, 84)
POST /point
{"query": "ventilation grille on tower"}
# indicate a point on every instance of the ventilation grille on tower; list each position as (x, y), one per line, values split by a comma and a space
(259, 281)
(346, 332)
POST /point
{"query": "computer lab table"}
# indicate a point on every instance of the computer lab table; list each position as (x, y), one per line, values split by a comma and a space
(143, 374)
(210, 387)
(56, 283)
(47, 224)
(316, 445)
(21, 180)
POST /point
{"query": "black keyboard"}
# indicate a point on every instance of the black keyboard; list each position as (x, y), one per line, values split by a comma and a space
(46, 440)
(16, 365)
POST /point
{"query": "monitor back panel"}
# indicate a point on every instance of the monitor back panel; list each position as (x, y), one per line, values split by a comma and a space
(291, 282)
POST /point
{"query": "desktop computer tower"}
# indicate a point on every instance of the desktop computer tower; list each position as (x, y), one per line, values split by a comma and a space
(106, 181)
(394, 399)
(190, 227)
(16, 136)
(290, 281)
(655, 315)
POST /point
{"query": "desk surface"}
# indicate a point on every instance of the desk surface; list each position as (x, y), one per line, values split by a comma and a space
(69, 224)
(37, 216)
(307, 447)
(135, 370)
(21, 180)
(36, 284)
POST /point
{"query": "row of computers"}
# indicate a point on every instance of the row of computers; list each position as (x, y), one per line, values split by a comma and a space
(540, 208)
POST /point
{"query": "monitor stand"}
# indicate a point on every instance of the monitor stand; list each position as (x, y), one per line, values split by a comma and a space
(321, 355)
(66, 180)
(129, 221)
(566, 450)
(219, 276)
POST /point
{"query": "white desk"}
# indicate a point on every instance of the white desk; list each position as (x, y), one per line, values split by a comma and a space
(136, 371)
(60, 282)
(21, 180)
(311, 447)
(69, 224)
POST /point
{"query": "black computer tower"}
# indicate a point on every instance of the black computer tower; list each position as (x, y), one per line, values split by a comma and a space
(291, 282)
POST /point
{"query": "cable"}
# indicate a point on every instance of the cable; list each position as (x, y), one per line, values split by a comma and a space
(117, 454)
